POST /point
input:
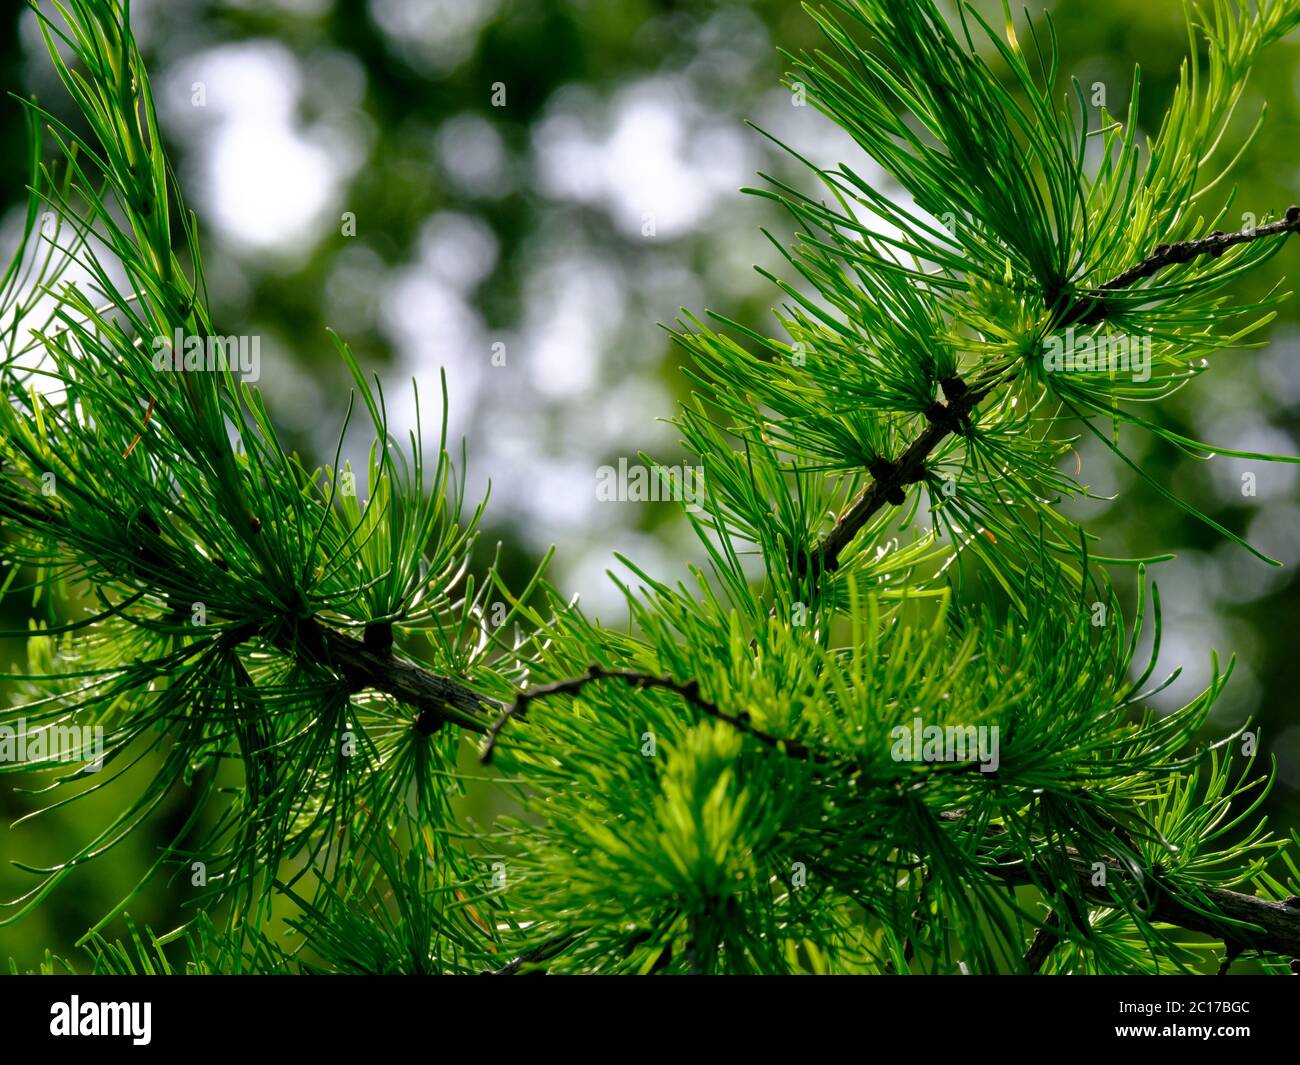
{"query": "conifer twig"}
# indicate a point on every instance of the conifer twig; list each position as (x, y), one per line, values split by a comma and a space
(1246, 920)
(890, 478)
(688, 690)
(540, 953)
(440, 700)
(1215, 245)
(1045, 939)
(909, 945)
(1232, 950)
(1049, 935)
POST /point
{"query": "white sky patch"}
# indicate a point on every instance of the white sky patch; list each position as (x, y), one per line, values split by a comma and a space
(473, 156)
(425, 308)
(430, 322)
(312, 8)
(562, 357)
(433, 327)
(434, 36)
(573, 305)
(1275, 530)
(625, 404)
(37, 316)
(1279, 366)
(591, 573)
(460, 249)
(649, 155)
(814, 136)
(557, 494)
(1190, 630)
(266, 182)
(1271, 480)
(250, 202)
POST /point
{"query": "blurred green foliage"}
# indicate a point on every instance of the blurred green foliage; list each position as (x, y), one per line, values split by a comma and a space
(403, 89)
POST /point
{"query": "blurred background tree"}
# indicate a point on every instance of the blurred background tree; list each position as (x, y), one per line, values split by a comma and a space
(519, 190)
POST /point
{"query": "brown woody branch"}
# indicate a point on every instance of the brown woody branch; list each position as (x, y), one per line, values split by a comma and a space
(889, 479)
(370, 664)
(688, 690)
(1241, 921)
(1050, 934)
(1214, 245)
(440, 700)
(1244, 922)
(541, 953)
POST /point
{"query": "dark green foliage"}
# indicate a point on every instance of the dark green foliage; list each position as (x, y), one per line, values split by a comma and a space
(719, 788)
